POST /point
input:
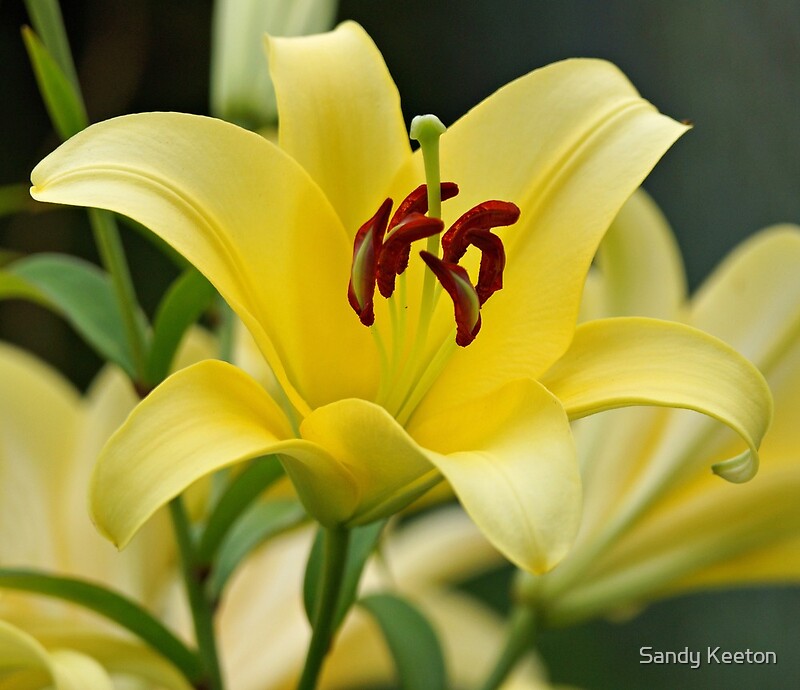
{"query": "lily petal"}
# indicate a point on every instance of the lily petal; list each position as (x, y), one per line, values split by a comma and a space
(637, 361)
(391, 470)
(201, 419)
(752, 301)
(117, 655)
(63, 669)
(709, 538)
(568, 144)
(757, 539)
(641, 265)
(33, 456)
(224, 197)
(340, 116)
(510, 459)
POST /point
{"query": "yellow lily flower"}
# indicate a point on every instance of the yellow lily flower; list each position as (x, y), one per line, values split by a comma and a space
(368, 419)
(655, 522)
(49, 438)
(44, 474)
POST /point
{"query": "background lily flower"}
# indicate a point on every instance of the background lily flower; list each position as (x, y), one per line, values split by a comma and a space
(49, 439)
(656, 522)
(365, 422)
(241, 90)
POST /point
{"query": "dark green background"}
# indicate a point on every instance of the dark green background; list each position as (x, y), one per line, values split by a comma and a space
(732, 67)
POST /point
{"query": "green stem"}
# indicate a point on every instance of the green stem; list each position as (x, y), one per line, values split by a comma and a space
(335, 545)
(520, 638)
(112, 255)
(202, 609)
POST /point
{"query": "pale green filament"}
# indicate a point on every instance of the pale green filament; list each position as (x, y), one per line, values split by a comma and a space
(426, 380)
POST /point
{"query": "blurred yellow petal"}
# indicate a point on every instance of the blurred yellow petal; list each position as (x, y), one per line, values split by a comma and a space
(752, 301)
(340, 117)
(753, 541)
(225, 198)
(776, 564)
(640, 262)
(199, 420)
(413, 553)
(714, 536)
(589, 140)
(636, 361)
(510, 459)
(117, 655)
(39, 417)
(21, 656)
(241, 90)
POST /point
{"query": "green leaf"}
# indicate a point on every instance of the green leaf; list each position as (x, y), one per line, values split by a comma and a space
(48, 22)
(411, 640)
(63, 101)
(259, 523)
(15, 287)
(111, 605)
(241, 492)
(79, 292)
(187, 298)
(363, 541)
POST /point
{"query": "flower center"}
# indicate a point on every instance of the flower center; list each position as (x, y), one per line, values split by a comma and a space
(381, 255)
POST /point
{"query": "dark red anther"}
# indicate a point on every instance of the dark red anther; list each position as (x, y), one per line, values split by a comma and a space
(363, 271)
(493, 261)
(396, 250)
(417, 201)
(484, 216)
(466, 303)
(473, 228)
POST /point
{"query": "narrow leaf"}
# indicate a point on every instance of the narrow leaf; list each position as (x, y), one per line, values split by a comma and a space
(259, 523)
(63, 101)
(363, 541)
(187, 298)
(241, 492)
(79, 292)
(411, 640)
(111, 605)
(48, 22)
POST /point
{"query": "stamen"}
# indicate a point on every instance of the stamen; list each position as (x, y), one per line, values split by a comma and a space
(473, 229)
(396, 250)
(363, 272)
(417, 201)
(466, 303)
(484, 216)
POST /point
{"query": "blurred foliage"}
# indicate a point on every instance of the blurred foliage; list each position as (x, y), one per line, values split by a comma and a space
(730, 66)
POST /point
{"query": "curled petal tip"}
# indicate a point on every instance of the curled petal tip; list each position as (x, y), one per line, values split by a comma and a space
(739, 469)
